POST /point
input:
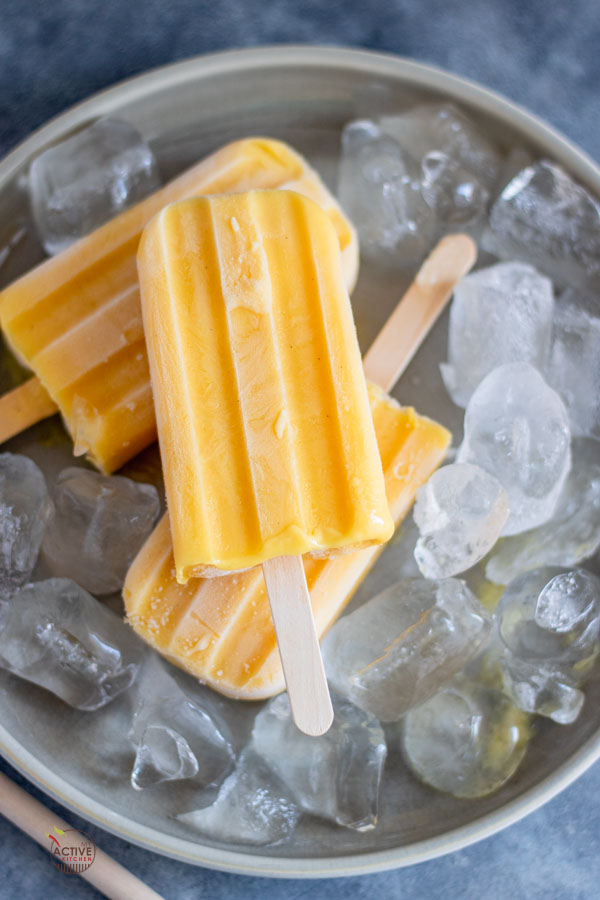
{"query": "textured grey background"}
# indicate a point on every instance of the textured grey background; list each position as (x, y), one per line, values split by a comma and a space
(546, 56)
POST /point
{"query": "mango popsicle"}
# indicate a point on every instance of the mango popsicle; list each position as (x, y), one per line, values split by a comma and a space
(266, 438)
(220, 630)
(75, 320)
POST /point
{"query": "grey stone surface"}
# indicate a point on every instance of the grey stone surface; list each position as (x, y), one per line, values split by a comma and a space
(544, 56)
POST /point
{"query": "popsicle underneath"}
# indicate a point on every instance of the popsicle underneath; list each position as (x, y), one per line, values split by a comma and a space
(219, 629)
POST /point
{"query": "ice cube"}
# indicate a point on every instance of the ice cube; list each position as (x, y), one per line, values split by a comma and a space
(460, 512)
(569, 604)
(549, 623)
(380, 196)
(252, 807)
(574, 369)
(466, 740)
(517, 428)
(56, 635)
(527, 630)
(177, 734)
(24, 511)
(446, 129)
(87, 179)
(517, 159)
(544, 217)
(455, 196)
(542, 689)
(499, 315)
(336, 776)
(99, 524)
(400, 647)
(571, 536)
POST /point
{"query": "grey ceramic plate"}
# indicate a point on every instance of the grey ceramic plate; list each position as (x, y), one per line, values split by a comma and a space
(303, 95)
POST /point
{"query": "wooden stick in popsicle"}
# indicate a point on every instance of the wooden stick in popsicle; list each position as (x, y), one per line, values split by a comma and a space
(388, 357)
(298, 644)
(418, 311)
(24, 406)
(105, 874)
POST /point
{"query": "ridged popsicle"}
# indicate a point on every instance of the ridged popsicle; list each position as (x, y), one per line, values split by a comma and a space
(266, 437)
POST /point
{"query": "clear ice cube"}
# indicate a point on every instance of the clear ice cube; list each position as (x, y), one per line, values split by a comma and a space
(252, 807)
(24, 511)
(574, 368)
(517, 429)
(177, 734)
(99, 524)
(499, 315)
(460, 512)
(54, 634)
(544, 217)
(455, 196)
(380, 196)
(400, 647)
(87, 179)
(336, 776)
(446, 129)
(549, 624)
(571, 536)
(536, 687)
(466, 740)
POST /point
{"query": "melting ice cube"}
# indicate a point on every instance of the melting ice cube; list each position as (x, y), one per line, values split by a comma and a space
(400, 647)
(517, 429)
(99, 524)
(336, 776)
(460, 512)
(56, 635)
(87, 179)
(24, 511)
(499, 315)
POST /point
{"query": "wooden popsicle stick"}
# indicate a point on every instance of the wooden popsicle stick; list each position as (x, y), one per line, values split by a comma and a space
(24, 406)
(105, 873)
(298, 644)
(404, 332)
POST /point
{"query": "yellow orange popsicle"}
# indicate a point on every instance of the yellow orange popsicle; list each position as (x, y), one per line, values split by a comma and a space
(75, 320)
(266, 437)
(220, 629)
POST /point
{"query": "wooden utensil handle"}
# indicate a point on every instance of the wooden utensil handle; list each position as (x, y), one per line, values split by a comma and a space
(105, 873)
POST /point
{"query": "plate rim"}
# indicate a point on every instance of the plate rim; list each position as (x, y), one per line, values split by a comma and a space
(463, 90)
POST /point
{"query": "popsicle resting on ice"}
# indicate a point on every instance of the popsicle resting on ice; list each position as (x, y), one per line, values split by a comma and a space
(75, 320)
(266, 438)
(220, 629)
